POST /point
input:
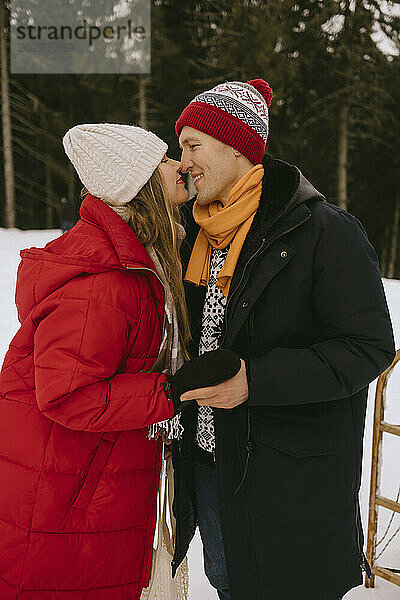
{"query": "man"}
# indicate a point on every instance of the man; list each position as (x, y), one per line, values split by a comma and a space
(270, 462)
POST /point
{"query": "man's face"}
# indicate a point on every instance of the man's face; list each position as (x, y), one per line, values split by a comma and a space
(212, 165)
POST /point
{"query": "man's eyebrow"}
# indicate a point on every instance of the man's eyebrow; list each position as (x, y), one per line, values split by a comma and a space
(188, 140)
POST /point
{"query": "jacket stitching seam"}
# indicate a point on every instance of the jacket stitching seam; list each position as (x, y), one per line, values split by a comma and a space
(82, 337)
(80, 533)
(19, 401)
(8, 583)
(76, 474)
(93, 300)
(32, 511)
(36, 281)
(105, 587)
(12, 366)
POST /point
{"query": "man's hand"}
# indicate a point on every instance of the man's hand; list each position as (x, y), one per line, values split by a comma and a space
(228, 394)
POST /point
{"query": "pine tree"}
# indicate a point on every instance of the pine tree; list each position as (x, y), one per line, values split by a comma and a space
(6, 121)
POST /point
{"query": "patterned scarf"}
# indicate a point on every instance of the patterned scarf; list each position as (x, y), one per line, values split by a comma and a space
(170, 358)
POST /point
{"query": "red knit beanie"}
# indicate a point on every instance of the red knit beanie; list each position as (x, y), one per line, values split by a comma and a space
(235, 113)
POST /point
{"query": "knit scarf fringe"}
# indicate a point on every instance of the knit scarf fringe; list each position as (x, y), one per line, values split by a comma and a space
(170, 353)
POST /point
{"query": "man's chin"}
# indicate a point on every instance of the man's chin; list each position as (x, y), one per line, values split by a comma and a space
(202, 200)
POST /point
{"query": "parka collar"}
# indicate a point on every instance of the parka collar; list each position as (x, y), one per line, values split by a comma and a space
(107, 244)
(283, 188)
(130, 251)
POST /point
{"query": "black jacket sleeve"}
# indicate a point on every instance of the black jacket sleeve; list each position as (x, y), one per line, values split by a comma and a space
(356, 344)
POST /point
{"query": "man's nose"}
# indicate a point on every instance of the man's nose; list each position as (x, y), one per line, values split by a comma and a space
(186, 164)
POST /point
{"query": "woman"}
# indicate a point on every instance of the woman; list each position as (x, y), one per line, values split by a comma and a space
(78, 474)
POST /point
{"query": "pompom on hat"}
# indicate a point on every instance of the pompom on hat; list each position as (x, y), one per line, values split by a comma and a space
(113, 161)
(233, 112)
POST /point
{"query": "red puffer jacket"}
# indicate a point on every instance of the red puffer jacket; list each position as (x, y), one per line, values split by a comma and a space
(78, 476)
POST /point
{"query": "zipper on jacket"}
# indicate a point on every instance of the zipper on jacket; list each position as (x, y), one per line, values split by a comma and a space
(145, 269)
(364, 564)
(249, 450)
(261, 249)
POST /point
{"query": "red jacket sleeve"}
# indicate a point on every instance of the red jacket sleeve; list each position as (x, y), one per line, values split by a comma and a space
(78, 347)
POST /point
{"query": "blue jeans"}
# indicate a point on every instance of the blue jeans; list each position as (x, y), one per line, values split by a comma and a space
(205, 485)
(206, 492)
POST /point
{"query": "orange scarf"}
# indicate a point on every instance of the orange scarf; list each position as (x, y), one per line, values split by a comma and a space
(221, 225)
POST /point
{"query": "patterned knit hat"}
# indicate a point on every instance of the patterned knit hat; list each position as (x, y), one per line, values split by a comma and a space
(235, 113)
(113, 161)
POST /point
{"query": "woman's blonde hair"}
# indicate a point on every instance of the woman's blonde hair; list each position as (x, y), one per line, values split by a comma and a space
(154, 220)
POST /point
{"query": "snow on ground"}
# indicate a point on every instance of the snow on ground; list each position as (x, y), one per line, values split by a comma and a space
(13, 240)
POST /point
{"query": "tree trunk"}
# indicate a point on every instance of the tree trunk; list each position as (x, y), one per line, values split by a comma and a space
(6, 123)
(143, 80)
(395, 238)
(342, 154)
(384, 255)
(49, 198)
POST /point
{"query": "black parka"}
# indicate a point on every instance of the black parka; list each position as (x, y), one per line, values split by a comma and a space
(307, 312)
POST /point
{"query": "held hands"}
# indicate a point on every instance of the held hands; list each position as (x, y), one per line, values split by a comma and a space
(216, 378)
(228, 394)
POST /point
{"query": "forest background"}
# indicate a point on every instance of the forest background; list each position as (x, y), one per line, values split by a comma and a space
(334, 68)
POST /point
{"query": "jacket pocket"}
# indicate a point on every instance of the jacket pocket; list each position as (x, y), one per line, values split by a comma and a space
(91, 478)
(301, 431)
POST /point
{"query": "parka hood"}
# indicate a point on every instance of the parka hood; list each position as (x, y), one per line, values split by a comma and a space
(101, 241)
(283, 188)
(284, 197)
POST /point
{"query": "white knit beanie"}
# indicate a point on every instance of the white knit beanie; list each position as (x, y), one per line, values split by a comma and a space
(113, 162)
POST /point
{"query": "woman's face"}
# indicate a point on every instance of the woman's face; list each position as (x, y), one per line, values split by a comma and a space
(174, 186)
